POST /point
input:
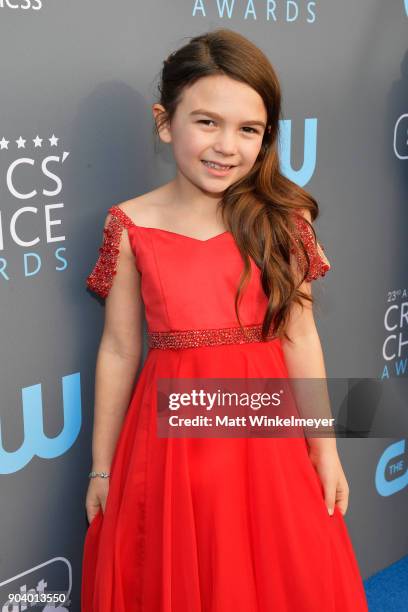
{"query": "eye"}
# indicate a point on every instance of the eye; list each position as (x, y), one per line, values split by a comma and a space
(207, 122)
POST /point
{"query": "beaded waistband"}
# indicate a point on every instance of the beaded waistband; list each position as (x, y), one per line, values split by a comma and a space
(188, 338)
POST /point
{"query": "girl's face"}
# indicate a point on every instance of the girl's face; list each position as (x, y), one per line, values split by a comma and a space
(216, 131)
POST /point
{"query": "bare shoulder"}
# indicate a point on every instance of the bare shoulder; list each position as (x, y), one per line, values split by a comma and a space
(146, 209)
(305, 212)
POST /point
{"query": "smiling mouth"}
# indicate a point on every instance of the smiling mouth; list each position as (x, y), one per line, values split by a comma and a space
(215, 165)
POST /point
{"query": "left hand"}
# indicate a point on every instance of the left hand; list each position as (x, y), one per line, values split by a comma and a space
(331, 474)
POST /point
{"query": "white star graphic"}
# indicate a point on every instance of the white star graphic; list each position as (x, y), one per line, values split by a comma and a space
(4, 143)
(37, 141)
(53, 140)
(20, 143)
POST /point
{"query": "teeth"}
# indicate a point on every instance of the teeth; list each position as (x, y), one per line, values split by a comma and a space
(215, 166)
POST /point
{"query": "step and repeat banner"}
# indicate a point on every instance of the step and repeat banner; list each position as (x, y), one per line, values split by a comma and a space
(76, 137)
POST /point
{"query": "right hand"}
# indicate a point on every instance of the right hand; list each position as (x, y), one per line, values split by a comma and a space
(96, 496)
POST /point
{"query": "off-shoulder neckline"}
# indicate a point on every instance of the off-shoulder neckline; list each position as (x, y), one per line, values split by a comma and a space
(128, 222)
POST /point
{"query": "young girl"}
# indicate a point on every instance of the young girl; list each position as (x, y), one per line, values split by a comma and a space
(222, 258)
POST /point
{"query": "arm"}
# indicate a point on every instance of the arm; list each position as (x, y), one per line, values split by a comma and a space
(118, 359)
(304, 359)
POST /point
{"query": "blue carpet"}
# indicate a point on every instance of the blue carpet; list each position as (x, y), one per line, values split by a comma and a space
(387, 591)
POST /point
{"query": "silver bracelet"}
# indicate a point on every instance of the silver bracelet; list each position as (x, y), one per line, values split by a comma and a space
(101, 474)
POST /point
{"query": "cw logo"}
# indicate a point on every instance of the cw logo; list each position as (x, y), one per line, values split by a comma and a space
(35, 442)
(391, 474)
(302, 176)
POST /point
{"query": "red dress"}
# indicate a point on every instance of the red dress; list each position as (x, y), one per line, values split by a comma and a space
(205, 524)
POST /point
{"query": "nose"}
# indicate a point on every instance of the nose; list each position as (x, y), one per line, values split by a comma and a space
(225, 143)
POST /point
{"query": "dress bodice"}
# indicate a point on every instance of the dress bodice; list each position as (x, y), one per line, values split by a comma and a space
(187, 283)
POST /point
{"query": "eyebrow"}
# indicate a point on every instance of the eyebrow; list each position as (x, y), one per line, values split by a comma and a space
(202, 111)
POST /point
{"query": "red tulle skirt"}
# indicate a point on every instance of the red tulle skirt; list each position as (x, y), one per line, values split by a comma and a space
(215, 525)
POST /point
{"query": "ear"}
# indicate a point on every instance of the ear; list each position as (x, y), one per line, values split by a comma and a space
(159, 113)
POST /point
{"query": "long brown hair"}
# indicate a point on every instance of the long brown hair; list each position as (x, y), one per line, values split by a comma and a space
(258, 208)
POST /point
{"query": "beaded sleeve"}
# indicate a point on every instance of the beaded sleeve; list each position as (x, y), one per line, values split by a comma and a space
(101, 278)
(319, 264)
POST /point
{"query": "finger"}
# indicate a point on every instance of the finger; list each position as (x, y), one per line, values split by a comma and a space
(91, 517)
(92, 513)
(342, 506)
(342, 500)
(330, 497)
